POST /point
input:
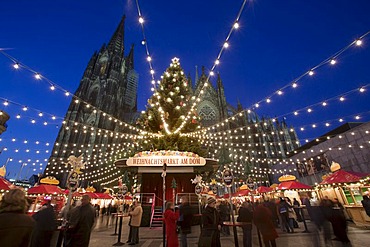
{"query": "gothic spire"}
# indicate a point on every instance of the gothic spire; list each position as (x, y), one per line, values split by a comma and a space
(219, 82)
(116, 42)
(196, 75)
(130, 58)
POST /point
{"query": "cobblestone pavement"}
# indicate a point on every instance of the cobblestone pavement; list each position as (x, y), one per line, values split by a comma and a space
(101, 236)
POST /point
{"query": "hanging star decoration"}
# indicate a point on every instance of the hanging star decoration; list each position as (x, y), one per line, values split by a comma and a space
(77, 163)
(213, 181)
(197, 180)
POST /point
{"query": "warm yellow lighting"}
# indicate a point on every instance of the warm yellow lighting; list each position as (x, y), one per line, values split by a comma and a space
(149, 59)
(333, 61)
(311, 73)
(279, 92)
(217, 62)
(226, 45)
(141, 20)
(358, 42)
(52, 87)
(38, 76)
(294, 85)
(16, 65)
(236, 25)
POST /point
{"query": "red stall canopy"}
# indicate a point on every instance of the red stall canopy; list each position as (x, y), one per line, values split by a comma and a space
(241, 193)
(264, 189)
(292, 185)
(104, 196)
(5, 184)
(342, 176)
(46, 189)
(92, 195)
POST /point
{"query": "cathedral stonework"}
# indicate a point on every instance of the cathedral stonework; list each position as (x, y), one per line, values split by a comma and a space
(109, 89)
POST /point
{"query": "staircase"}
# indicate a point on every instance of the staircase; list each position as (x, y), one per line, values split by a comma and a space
(157, 217)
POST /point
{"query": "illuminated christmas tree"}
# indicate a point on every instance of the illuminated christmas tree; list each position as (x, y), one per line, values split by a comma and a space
(167, 113)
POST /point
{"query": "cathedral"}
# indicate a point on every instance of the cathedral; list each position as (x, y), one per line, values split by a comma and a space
(108, 92)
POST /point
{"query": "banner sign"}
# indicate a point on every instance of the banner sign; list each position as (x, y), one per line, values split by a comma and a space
(169, 160)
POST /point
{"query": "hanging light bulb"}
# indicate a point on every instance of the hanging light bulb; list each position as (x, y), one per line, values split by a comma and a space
(333, 61)
(141, 20)
(359, 42)
(38, 76)
(16, 65)
(236, 25)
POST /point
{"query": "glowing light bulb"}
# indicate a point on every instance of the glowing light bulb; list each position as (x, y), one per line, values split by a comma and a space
(52, 87)
(211, 73)
(41, 114)
(311, 73)
(294, 85)
(362, 89)
(25, 108)
(152, 71)
(226, 45)
(217, 62)
(309, 110)
(236, 25)
(143, 42)
(296, 113)
(359, 42)
(6, 103)
(341, 98)
(149, 59)
(279, 92)
(324, 104)
(18, 116)
(38, 76)
(357, 117)
(268, 100)
(333, 61)
(16, 65)
(66, 93)
(53, 117)
(141, 20)
(33, 121)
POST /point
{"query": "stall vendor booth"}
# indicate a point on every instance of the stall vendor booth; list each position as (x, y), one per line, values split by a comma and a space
(5, 186)
(348, 187)
(48, 190)
(291, 188)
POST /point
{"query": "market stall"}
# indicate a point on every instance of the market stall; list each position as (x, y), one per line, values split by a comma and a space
(47, 191)
(348, 187)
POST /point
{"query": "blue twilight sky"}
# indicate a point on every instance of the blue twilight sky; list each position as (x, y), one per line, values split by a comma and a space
(277, 41)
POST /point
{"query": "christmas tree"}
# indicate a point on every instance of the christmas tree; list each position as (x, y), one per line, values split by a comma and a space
(167, 114)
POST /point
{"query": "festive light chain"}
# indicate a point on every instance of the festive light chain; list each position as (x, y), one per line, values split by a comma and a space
(53, 86)
(149, 60)
(289, 161)
(294, 83)
(341, 97)
(234, 135)
(24, 108)
(211, 73)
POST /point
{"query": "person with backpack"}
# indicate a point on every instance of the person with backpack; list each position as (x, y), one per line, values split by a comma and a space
(284, 214)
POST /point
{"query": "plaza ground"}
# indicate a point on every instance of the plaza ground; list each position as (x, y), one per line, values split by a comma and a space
(152, 237)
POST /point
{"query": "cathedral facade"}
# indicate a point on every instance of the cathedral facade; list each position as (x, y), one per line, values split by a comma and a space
(107, 92)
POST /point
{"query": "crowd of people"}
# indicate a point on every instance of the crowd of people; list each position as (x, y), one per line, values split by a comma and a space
(18, 229)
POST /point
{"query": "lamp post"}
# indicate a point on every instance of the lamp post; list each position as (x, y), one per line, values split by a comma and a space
(164, 201)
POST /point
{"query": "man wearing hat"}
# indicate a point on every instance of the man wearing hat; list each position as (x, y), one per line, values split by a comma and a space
(210, 235)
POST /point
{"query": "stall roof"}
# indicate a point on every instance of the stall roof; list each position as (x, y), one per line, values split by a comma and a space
(241, 193)
(264, 189)
(292, 185)
(5, 184)
(343, 176)
(46, 189)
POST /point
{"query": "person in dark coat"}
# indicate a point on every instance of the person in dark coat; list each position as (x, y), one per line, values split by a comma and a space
(185, 219)
(339, 223)
(262, 218)
(81, 223)
(225, 211)
(211, 224)
(297, 209)
(45, 226)
(170, 218)
(366, 204)
(15, 225)
(284, 214)
(246, 216)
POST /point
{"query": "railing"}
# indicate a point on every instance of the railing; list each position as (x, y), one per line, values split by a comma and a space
(152, 212)
(145, 199)
(193, 199)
